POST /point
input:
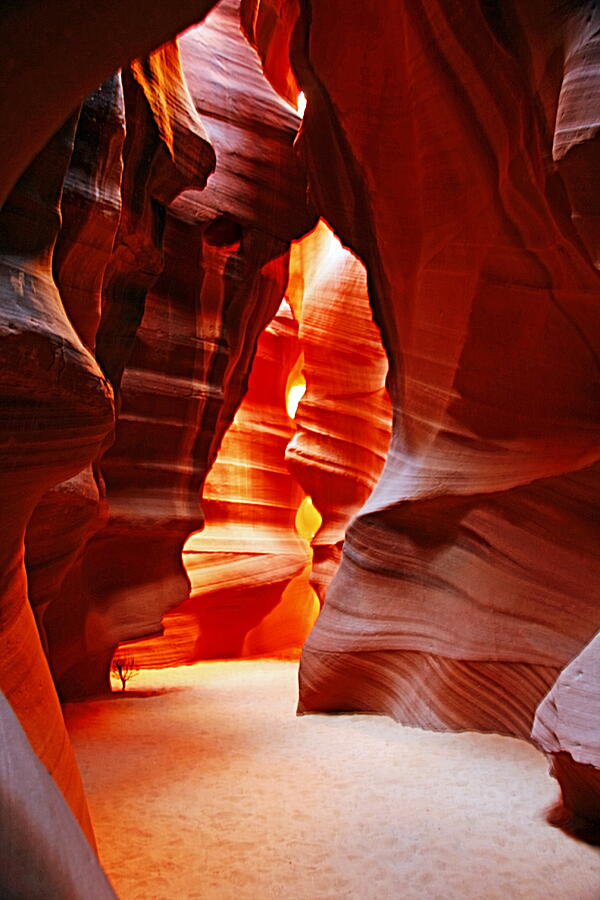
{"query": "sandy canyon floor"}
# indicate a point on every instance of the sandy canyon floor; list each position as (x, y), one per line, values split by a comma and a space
(204, 785)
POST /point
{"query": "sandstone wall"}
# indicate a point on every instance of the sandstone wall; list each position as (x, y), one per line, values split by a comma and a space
(460, 169)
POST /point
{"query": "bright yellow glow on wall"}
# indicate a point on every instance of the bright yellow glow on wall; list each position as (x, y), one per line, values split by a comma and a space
(294, 396)
(308, 519)
(301, 103)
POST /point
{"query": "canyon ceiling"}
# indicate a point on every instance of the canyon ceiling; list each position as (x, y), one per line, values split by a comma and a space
(180, 250)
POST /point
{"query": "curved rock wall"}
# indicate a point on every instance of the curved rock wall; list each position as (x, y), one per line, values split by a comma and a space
(59, 52)
(469, 578)
(164, 150)
(57, 408)
(83, 238)
(248, 567)
(57, 403)
(195, 275)
(90, 209)
(343, 420)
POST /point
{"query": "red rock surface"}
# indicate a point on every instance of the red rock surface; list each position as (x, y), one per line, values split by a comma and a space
(269, 26)
(57, 409)
(134, 152)
(343, 420)
(90, 209)
(164, 150)
(59, 52)
(248, 567)
(194, 277)
(470, 577)
(43, 852)
(57, 403)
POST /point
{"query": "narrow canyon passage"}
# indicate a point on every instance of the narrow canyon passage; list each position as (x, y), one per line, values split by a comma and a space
(202, 783)
(300, 411)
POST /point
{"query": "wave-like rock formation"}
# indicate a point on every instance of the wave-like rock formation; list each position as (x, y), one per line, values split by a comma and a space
(81, 244)
(59, 52)
(164, 150)
(470, 577)
(57, 228)
(195, 275)
(343, 421)
(56, 410)
(90, 209)
(248, 568)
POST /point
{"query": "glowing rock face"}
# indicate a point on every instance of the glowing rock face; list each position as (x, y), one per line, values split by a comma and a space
(202, 278)
(457, 584)
(60, 402)
(194, 277)
(343, 420)
(249, 567)
(225, 271)
(258, 601)
(60, 53)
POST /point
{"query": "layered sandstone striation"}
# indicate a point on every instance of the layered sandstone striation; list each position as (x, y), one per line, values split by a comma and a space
(343, 421)
(90, 208)
(164, 150)
(195, 275)
(470, 577)
(57, 409)
(249, 566)
(83, 239)
(57, 228)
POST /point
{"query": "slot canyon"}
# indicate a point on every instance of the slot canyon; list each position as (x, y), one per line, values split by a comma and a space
(299, 416)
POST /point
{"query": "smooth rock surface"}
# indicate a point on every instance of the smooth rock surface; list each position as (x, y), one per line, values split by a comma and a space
(43, 851)
(59, 52)
(192, 306)
(475, 558)
(164, 150)
(566, 728)
(343, 420)
(56, 410)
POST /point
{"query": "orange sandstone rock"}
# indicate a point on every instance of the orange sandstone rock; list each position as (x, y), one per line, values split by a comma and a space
(57, 408)
(59, 51)
(343, 420)
(249, 567)
(195, 276)
(165, 150)
(469, 577)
